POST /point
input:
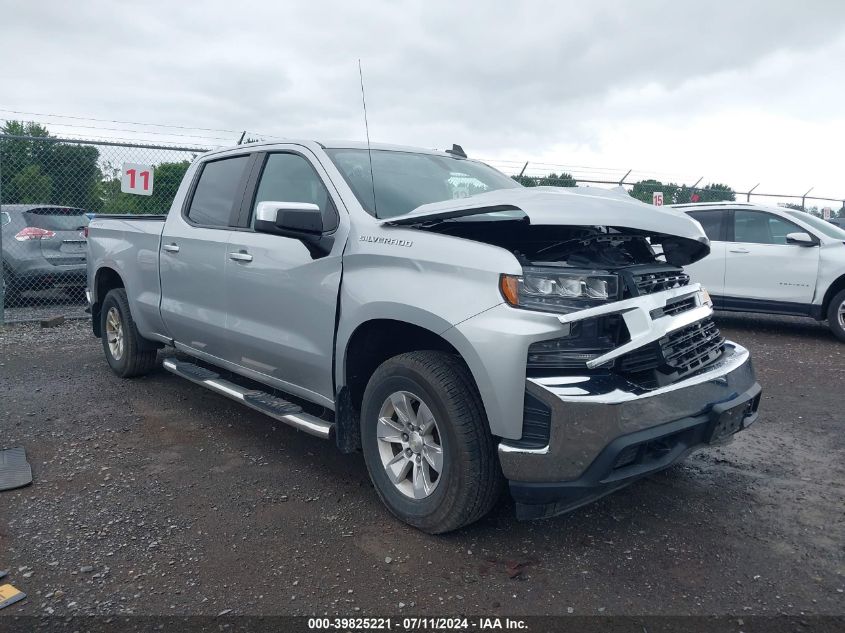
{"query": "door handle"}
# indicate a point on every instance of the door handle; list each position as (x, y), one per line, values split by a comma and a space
(241, 257)
(739, 250)
(170, 248)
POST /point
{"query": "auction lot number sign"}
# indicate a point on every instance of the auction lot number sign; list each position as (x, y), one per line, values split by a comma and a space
(137, 179)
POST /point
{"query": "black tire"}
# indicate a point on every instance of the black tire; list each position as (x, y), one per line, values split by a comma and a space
(138, 355)
(835, 315)
(471, 479)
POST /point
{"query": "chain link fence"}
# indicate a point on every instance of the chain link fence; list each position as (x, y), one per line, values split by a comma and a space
(50, 188)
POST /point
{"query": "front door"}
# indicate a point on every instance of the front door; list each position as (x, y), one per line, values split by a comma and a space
(282, 299)
(193, 257)
(760, 265)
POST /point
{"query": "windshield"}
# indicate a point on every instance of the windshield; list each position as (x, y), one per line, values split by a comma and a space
(822, 226)
(405, 180)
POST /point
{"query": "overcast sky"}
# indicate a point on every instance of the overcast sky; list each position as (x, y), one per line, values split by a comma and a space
(736, 92)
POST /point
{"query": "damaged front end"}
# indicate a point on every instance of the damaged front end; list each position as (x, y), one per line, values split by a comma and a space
(588, 255)
(622, 371)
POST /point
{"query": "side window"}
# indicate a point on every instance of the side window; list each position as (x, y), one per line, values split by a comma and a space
(757, 227)
(712, 222)
(217, 191)
(291, 178)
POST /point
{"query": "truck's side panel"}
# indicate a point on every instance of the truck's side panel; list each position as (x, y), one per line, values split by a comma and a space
(434, 282)
(130, 248)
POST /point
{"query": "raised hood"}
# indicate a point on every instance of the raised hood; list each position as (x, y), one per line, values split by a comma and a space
(682, 237)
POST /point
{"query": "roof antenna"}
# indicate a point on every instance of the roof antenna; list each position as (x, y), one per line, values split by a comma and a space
(367, 129)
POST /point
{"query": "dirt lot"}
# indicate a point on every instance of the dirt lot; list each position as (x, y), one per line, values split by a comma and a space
(153, 496)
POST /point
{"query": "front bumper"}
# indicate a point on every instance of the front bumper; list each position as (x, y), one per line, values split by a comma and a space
(605, 433)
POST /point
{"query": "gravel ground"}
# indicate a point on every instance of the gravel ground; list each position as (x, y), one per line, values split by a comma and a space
(44, 305)
(153, 496)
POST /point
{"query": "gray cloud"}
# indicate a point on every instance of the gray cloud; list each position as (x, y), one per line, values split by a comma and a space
(495, 76)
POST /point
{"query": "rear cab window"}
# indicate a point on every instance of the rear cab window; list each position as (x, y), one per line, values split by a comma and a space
(218, 193)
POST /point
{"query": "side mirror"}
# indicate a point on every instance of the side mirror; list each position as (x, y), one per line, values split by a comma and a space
(292, 219)
(800, 239)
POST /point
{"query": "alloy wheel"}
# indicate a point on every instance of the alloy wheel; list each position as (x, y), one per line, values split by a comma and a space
(409, 445)
(114, 333)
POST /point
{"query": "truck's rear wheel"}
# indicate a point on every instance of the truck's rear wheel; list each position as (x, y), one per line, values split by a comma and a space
(127, 353)
(427, 444)
(836, 315)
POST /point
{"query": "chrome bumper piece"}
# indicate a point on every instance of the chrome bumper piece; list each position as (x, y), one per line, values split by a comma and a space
(589, 412)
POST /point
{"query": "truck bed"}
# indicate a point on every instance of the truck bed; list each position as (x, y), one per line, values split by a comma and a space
(129, 245)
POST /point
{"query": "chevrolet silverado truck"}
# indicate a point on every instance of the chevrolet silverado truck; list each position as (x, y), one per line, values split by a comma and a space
(421, 307)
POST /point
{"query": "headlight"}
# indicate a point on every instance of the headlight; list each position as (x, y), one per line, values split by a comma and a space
(555, 290)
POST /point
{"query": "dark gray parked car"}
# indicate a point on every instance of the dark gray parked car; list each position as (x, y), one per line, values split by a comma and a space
(44, 246)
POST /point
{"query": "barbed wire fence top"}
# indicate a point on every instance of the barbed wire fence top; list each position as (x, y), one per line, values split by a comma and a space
(51, 186)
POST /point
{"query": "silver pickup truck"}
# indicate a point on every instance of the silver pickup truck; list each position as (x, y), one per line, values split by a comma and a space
(457, 328)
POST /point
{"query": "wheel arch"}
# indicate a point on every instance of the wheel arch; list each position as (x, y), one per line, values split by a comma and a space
(835, 288)
(368, 345)
(105, 279)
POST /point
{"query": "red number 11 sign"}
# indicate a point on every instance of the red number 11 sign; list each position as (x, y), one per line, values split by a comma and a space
(137, 179)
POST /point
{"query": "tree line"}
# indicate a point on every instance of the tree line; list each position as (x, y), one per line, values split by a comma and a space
(642, 190)
(74, 175)
(33, 172)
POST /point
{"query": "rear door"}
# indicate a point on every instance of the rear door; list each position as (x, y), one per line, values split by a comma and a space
(193, 256)
(710, 271)
(760, 265)
(282, 298)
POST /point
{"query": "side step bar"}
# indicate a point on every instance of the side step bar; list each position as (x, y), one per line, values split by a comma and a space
(266, 403)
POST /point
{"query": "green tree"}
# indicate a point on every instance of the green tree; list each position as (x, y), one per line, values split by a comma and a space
(166, 180)
(525, 181)
(47, 171)
(32, 185)
(554, 180)
(644, 190)
(716, 192)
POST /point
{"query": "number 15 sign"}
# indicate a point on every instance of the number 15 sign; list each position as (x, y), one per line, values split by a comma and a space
(137, 179)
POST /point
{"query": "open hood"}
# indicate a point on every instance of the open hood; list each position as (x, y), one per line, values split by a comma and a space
(682, 238)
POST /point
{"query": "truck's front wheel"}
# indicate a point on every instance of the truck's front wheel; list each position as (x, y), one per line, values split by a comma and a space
(426, 442)
(127, 353)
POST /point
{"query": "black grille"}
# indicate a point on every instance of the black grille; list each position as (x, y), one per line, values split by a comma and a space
(641, 359)
(656, 281)
(692, 347)
(674, 307)
(674, 356)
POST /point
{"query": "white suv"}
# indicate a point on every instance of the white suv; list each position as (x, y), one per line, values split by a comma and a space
(773, 260)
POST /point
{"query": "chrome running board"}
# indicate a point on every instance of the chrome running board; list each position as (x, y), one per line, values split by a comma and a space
(268, 404)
